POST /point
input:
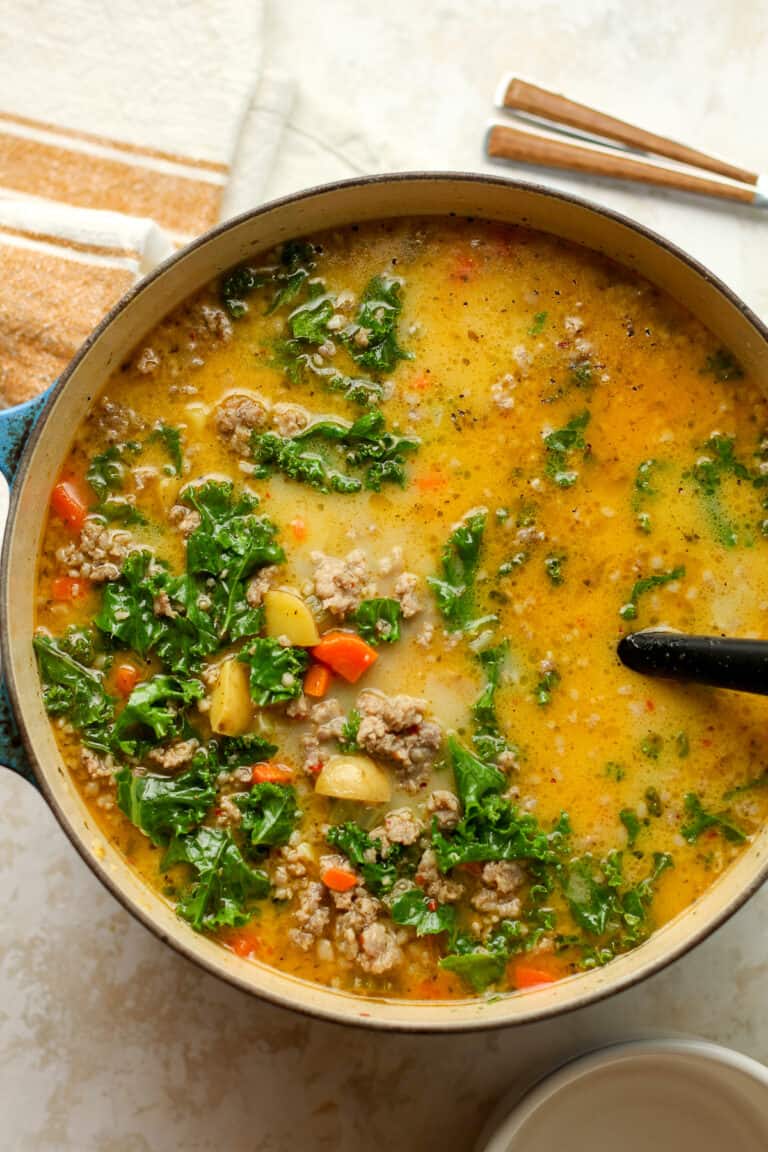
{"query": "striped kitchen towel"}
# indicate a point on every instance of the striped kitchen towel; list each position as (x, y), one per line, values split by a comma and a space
(119, 125)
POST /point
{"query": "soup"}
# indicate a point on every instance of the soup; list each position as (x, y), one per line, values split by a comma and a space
(329, 596)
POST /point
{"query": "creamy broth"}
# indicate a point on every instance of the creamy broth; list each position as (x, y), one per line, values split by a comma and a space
(602, 457)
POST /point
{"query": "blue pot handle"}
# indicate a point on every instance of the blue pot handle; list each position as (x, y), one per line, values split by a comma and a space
(15, 425)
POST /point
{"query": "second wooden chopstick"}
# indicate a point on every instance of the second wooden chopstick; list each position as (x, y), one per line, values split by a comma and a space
(524, 147)
(521, 96)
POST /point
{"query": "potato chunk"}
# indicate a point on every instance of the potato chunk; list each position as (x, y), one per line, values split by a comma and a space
(288, 615)
(231, 707)
(354, 778)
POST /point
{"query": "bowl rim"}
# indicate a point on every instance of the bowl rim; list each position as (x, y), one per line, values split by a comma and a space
(345, 1013)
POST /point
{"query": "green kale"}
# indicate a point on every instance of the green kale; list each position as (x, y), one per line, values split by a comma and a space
(225, 887)
(106, 475)
(700, 820)
(538, 324)
(295, 262)
(651, 745)
(127, 612)
(75, 691)
(603, 906)
(581, 373)
(653, 801)
(240, 283)
(154, 712)
(454, 589)
(632, 823)
(170, 438)
(380, 307)
(378, 867)
(488, 740)
(481, 963)
(229, 534)
(276, 673)
(165, 806)
(378, 619)
(315, 456)
(643, 490)
(545, 685)
(418, 911)
(615, 771)
(682, 745)
(491, 828)
(79, 643)
(553, 565)
(559, 446)
(723, 365)
(235, 751)
(629, 610)
(270, 814)
(309, 322)
(708, 472)
(756, 782)
(348, 739)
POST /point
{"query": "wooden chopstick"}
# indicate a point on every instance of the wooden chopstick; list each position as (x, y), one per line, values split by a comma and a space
(521, 96)
(544, 151)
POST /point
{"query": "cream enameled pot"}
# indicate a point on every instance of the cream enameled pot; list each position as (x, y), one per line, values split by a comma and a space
(126, 325)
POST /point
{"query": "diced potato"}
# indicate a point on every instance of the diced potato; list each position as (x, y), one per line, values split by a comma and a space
(354, 778)
(231, 707)
(288, 615)
(196, 415)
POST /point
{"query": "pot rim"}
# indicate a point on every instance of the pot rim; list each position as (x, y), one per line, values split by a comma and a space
(346, 1014)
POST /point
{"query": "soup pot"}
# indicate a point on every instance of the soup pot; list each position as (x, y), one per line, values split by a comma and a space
(46, 448)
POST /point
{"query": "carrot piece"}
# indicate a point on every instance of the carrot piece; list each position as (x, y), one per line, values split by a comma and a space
(127, 677)
(69, 505)
(430, 481)
(529, 976)
(244, 942)
(421, 382)
(298, 529)
(345, 653)
(268, 773)
(68, 588)
(463, 267)
(317, 680)
(338, 879)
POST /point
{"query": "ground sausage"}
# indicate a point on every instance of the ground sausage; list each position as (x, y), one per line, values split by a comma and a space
(405, 592)
(394, 727)
(187, 520)
(445, 808)
(311, 915)
(429, 877)
(175, 755)
(237, 416)
(496, 896)
(288, 419)
(379, 950)
(340, 585)
(99, 553)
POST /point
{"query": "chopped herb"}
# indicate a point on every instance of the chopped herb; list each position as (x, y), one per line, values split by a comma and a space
(545, 685)
(378, 619)
(309, 322)
(632, 824)
(512, 565)
(581, 373)
(699, 820)
(225, 887)
(643, 490)
(553, 566)
(748, 786)
(723, 365)
(276, 673)
(682, 745)
(170, 438)
(348, 737)
(235, 751)
(538, 324)
(106, 475)
(615, 771)
(603, 907)
(628, 611)
(488, 740)
(559, 447)
(653, 800)
(651, 745)
(720, 460)
(455, 589)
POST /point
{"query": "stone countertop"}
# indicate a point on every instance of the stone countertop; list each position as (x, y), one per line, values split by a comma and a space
(109, 1041)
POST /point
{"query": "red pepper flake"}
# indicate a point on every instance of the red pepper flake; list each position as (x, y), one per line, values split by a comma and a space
(706, 743)
(650, 706)
(432, 905)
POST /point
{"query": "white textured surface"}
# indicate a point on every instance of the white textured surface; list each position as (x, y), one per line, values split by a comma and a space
(109, 1042)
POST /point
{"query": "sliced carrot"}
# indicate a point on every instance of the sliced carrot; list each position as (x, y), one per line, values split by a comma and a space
(298, 529)
(339, 879)
(317, 680)
(345, 653)
(69, 505)
(430, 481)
(69, 588)
(421, 382)
(441, 986)
(244, 942)
(268, 773)
(127, 677)
(526, 975)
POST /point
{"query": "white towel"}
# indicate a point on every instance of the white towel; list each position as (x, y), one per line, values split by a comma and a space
(119, 125)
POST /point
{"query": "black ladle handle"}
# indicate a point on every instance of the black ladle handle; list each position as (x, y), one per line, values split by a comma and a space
(715, 660)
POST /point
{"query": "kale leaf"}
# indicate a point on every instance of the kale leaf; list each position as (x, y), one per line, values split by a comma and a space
(377, 317)
(454, 589)
(378, 619)
(377, 870)
(559, 447)
(225, 887)
(165, 806)
(154, 712)
(276, 673)
(71, 689)
(418, 911)
(723, 365)
(545, 685)
(270, 814)
(629, 610)
(602, 905)
(700, 820)
(170, 438)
